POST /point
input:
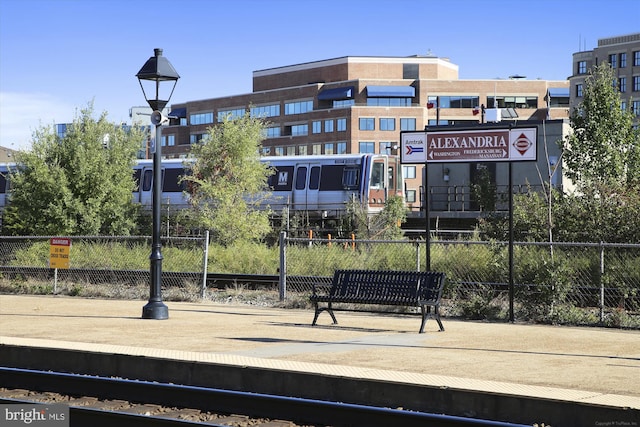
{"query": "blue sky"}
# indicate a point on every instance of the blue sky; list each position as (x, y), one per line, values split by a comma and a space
(56, 56)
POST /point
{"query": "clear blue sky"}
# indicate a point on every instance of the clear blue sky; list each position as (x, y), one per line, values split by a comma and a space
(56, 56)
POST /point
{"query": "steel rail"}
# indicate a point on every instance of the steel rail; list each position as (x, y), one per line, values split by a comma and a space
(228, 401)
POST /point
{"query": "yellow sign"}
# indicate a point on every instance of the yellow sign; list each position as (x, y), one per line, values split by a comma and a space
(59, 249)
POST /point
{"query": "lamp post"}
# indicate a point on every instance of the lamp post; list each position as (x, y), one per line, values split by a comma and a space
(160, 78)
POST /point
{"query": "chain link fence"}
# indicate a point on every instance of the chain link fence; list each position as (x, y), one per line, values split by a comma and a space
(113, 266)
(564, 283)
(572, 283)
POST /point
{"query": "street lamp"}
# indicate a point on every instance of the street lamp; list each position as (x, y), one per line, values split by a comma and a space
(160, 78)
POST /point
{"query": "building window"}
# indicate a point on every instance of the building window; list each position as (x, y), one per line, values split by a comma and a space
(636, 58)
(266, 110)
(341, 125)
(636, 108)
(408, 124)
(231, 114)
(636, 83)
(291, 150)
(341, 148)
(410, 196)
(317, 126)
(302, 150)
(386, 147)
(298, 107)
(328, 126)
(622, 84)
(579, 90)
(408, 172)
(195, 138)
(387, 124)
(342, 103)
(613, 60)
(513, 101)
(623, 105)
(366, 147)
(328, 148)
(388, 102)
(316, 149)
(171, 140)
(367, 123)
(279, 151)
(299, 130)
(623, 60)
(272, 132)
(459, 101)
(201, 118)
(582, 67)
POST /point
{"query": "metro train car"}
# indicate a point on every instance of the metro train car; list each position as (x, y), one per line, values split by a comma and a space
(318, 186)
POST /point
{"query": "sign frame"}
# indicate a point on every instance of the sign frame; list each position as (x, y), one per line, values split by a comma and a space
(470, 145)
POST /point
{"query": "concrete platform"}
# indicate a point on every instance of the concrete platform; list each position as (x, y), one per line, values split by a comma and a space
(510, 372)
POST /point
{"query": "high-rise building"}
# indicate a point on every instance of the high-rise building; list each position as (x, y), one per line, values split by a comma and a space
(623, 54)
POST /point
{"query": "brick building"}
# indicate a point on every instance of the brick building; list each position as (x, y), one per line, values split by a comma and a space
(360, 104)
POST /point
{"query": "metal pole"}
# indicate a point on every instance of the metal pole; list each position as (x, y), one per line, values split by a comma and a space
(155, 308)
(205, 263)
(427, 214)
(283, 266)
(511, 281)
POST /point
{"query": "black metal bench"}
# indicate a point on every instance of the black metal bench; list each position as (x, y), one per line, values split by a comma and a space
(400, 288)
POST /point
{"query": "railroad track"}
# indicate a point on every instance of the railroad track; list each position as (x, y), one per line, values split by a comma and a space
(100, 401)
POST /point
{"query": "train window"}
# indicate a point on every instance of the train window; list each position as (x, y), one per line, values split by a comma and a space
(136, 178)
(350, 178)
(147, 179)
(314, 178)
(301, 178)
(339, 177)
(377, 176)
(171, 180)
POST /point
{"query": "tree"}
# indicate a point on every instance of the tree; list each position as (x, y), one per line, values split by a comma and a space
(226, 182)
(79, 184)
(604, 147)
(383, 225)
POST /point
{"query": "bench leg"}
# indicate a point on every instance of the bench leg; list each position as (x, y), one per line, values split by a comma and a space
(319, 310)
(426, 313)
(436, 312)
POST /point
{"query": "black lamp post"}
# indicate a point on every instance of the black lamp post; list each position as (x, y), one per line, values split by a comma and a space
(160, 78)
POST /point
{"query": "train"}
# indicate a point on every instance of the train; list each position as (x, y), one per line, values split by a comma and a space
(318, 186)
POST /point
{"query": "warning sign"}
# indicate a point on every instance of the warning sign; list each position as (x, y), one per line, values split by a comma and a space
(59, 249)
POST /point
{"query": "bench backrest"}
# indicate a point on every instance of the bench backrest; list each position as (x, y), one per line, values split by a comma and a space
(396, 285)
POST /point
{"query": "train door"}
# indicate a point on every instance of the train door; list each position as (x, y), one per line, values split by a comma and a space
(146, 186)
(306, 187)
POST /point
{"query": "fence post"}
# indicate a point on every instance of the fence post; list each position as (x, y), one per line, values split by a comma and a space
(417, 255)
(601, 282)
(205, 264)
(282, 285)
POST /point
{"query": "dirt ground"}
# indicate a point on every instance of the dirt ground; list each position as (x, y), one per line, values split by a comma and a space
(589, 359)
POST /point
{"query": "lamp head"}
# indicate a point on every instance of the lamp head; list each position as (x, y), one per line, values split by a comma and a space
(156, 74)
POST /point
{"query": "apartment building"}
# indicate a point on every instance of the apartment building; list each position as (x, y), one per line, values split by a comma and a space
(357, 104)
(623, 54)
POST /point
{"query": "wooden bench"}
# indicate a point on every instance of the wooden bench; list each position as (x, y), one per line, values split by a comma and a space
(400, 288)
